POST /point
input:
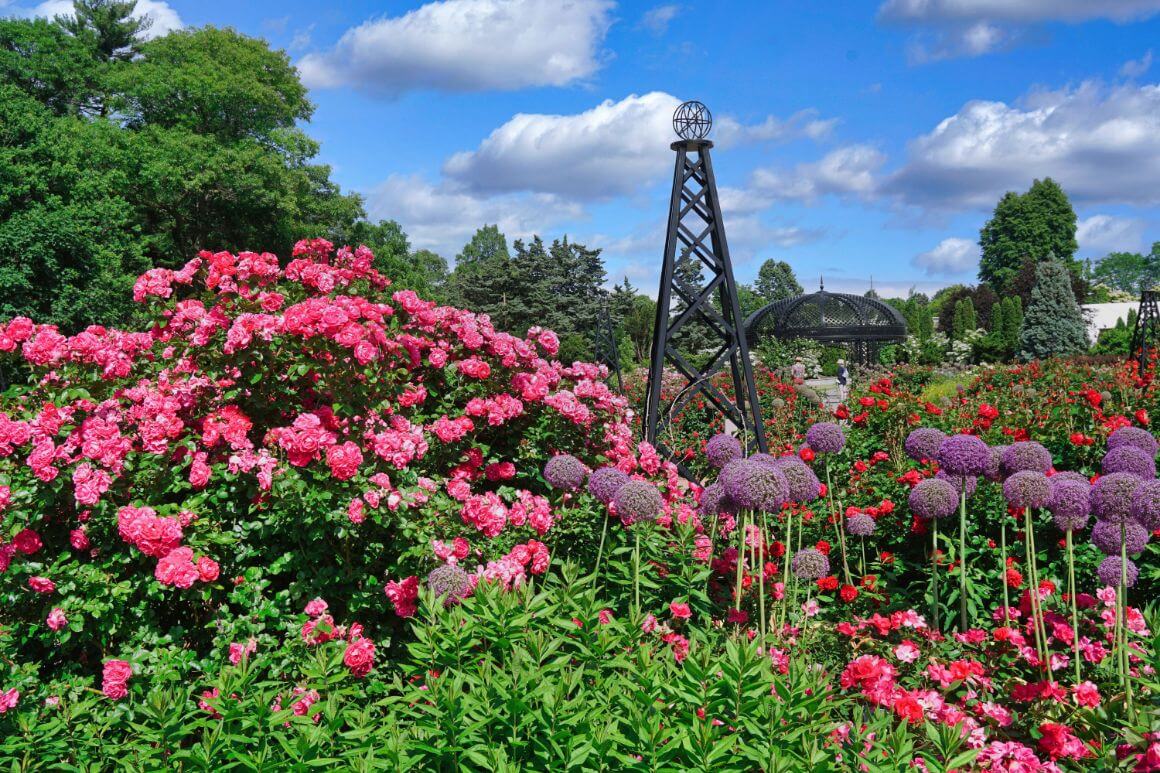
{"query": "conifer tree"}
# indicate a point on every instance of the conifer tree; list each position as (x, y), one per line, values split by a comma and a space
(1053, 325)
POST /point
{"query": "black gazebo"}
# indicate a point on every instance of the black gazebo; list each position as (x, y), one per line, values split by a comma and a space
(863, 325)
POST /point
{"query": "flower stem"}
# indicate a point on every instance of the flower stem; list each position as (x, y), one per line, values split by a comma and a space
(636, 571)
(934, 572)
(1074, 607)
(600, 550)
(963, 555)
(1003, 570)
(740, 560)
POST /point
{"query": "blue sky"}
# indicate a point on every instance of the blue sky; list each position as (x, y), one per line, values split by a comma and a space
(855, 139)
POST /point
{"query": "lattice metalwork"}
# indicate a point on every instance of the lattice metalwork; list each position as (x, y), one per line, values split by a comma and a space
(706, 303)
(606, 349)
(861, 324)
(1147, 330)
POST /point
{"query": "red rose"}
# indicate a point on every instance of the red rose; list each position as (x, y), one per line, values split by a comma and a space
(360, 657)
(848, 593)
(828, 583)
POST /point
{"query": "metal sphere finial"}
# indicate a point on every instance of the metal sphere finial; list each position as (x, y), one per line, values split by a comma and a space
(692, 121)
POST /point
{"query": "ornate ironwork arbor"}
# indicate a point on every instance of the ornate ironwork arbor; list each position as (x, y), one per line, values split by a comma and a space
(1147, 330)
(696, 232)
(606, 349)
(861, 324)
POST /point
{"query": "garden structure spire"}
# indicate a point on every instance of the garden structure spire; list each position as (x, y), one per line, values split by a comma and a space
(695, 245)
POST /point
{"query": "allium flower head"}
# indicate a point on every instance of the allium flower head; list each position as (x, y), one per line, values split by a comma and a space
(1109, 572)
(1146, 504)
(604, 483)
(722, 449)
(860, 525)
(565, 472)
(1134, 436)
(755, 486)
(449, 583)
(1107, 537)
(638, 500)
(1027, 488)
(1070, 503)
(964, 455)
(933, 498)
(1131, 459)
(1112, 496)
(714, 501)
(1026, 455)
(804, 485)
(994, 471)
(825, 437)
(923, 443)
(766, 459)
(810, 564)
(1063, 475)
(971, 482)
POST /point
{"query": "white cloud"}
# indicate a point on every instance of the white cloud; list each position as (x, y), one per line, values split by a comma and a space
(953, 28)
(728, 131)
(612, 149)
(656, 20)
(302, 38)
(467, 45)
(1101, 145)
(851, 170)
(1022, 11)
(1100, 234)
(1134, 68)
(163, 18)
(951, 256)
(443, 218)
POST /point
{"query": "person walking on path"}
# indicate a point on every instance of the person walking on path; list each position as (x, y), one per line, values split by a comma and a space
(798, 371)
(843, 380)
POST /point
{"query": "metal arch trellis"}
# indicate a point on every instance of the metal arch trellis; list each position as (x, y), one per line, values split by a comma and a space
(1147, 330)
(606, 349)
(695, 229)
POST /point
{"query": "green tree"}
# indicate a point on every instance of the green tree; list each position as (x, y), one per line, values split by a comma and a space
(1012, 323)
(1129, 272)
(1053, 325)
(638, 324)
(108, 27)
(964, 320)
(1034, 225)
(776, 281)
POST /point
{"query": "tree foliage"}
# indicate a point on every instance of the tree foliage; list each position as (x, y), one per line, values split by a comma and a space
(776, 281)
(1030, 226)
(1129, 272)
(1053, 325)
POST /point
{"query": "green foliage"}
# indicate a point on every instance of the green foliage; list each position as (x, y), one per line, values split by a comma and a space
(1053, 326)
(776, 281)
(1034, 226)
(1118, 340)
(1129, 272)
(964, 320)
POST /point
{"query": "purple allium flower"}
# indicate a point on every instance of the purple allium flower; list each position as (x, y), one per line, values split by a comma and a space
(810, 564)
(1070, 503)
(1062, 475)
(933, 498)
(565, 472)
(860, 525)
(755, 486)
(1026, 455)
(604, 482)
(1134, 436)
(971, 481)
(923, 443)
(1027, 488)
(804, 485)
(449, 583)
(1129, 459)
(964, 455)
(994, 471)
(825, 437)
(722, 449)
(1112, 496)
(638, 500)
(766, 459)
(1146, 504)
(714, 502)
(1107, 537)
(1109, 572)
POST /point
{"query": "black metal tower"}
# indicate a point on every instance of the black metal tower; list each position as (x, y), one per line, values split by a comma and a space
(1147, 330)
(606, 349)
(696, 232)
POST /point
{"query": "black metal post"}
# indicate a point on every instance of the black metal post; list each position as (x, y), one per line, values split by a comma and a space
(1147, 326)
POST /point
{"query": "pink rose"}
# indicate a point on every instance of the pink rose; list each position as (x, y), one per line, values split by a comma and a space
(360, 657)
(27, 542)
(56, 619)
(316, 607)
(41, 584)
(115, 678)
(680, 611)
(207, 568)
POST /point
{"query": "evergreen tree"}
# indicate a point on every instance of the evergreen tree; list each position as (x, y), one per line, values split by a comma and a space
(1014, 319)
(696, 337)
(1053, 325)
(964, 319)
(1033, 225)
(620, 301)
(109, 27)
(483, 277)
(776, 281)
(997, 319)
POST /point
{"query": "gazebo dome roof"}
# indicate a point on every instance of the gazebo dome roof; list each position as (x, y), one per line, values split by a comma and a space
(829, 317)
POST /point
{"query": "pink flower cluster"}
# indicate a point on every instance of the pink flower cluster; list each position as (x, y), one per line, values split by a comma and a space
(115, 679)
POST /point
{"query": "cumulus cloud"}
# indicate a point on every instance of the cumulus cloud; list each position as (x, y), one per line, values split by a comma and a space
(951, 256)
(163, 19)
(952, 28)
(1100, 144)
(467, 45)
(851, 170)
(1100, 234)
(656, 20)
(728, 131)
(443, 218)
(612, 149)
